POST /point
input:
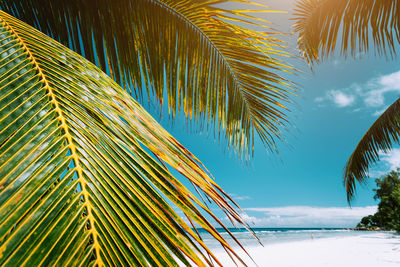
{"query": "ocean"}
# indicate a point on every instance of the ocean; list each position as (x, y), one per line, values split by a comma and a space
(276, 235)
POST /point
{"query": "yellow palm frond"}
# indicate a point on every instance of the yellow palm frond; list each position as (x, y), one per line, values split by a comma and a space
(77, 183)
(218, 65)
(352, 25)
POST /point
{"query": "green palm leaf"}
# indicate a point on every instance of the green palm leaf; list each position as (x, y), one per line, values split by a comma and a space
(379, 138)
(77, 185)
(321, 24)
(217, 65)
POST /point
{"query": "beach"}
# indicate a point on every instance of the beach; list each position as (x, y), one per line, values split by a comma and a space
(369, 249)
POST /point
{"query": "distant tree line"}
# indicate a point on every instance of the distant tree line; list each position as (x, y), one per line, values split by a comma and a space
(388, 215)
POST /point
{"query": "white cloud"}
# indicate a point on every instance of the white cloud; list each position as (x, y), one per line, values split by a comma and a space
(392, 158)
(340, 98)
(388, 161)
(372, 92)
(385, 84)
(380, 111)
(375, 89)
(238, 198)
(374, 98)
(391, 81)
(376, 173)
(306, 216)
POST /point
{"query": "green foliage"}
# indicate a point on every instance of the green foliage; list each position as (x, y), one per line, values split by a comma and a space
(388, 215)
(368, 221)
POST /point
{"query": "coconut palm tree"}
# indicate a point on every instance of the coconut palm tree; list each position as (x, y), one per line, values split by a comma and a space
(78, 183)
(356, 27)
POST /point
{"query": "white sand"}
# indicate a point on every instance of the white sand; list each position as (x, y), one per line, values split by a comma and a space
(370, 250)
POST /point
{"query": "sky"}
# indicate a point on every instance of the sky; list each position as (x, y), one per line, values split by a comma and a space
(303, 187)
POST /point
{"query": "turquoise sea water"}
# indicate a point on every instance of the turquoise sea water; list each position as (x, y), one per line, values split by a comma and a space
(277, 235)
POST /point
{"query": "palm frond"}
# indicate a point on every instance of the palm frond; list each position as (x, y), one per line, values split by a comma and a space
(77, 185)
(353, 25)
(217, 65)
(379, 138)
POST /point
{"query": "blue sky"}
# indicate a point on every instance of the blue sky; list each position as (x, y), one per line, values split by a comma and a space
(303, 187)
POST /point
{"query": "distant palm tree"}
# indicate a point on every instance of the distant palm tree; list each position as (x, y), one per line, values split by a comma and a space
(321, 25)
(77, 183)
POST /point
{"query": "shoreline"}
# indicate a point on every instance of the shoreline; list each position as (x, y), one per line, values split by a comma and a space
(371, 250)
